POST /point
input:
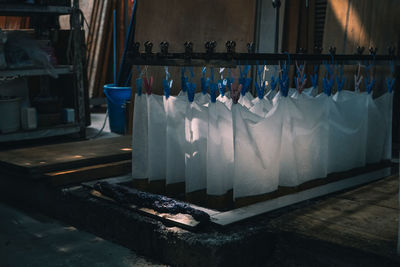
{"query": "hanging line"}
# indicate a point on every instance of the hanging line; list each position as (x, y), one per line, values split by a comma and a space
(230, 80)
(167, 83)
(222, 82)
(191, 86)
(148, 84)
(358, 79)
(284, 79)
(274, 82)
(340, 80)
(314, 77)
(260, 86)
(328, 80)
(213, 92)
(205, 82)
(139, 81)
(390, 82)
(300, 80)
(370, 80)
(184, 79)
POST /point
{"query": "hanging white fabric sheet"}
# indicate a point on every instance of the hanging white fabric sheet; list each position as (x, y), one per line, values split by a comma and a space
(376, 132)
(288, 174)
(139, 138)
(157, 131)
(261, 106)
(310, 91)
(220, 149)
(226, 100)
(347, 131)
(271, 94)
(246, 100)
(196, 131)
(310, 133)
(385, 105)
(202, 99)
(175, 108)
(257, 146)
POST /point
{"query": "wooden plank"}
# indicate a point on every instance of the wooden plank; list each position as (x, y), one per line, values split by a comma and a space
(236, 215)
(38, 160)
(184, 221)
(89, 173)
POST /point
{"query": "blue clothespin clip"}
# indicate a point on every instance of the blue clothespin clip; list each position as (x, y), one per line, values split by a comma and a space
(328, 84)
(390, 84)
(340, 83)
(191, 90)
(184, 79)
(274, 83)
(139, 82)
(260, 86)
(340, 80)
(213, 92)
(167, 83)
(284, 81)
(369, 84)
(191, 86)
(314, 77)
(204, 81)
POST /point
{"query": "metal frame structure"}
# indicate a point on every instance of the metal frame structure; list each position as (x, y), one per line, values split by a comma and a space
(231, 58)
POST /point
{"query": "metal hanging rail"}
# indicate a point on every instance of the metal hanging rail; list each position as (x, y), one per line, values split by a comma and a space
(231, 59)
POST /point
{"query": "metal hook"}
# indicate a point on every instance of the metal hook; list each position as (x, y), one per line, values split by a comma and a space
(317, 49)
(136, 47)
(210, 46)
(391, 50)
(164, 48)
(148, 46)
(188, 49)
(360, 50)
(373, 50)
(230, 47)
(276, 3)
(251, 48)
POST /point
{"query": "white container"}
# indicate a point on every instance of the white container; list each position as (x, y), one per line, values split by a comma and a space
(69, 115)
(28, 118)
(10, 115)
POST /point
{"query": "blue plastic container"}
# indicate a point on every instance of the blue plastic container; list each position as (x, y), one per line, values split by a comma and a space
(116, 98)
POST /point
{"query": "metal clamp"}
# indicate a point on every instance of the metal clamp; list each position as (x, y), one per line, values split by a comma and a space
(188, 49)
(164, 48)
(251, 48)
(392, 50)
(210, 46)
(373, 50)
(360, 50)
(332, 50)
(148, 46)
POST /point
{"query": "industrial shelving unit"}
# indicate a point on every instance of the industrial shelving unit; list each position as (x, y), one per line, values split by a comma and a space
(75, 69)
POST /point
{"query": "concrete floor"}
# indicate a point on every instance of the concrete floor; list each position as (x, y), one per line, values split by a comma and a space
(93, 130)
(35, 240)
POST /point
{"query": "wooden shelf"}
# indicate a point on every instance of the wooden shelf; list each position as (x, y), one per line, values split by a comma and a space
(58, 130)
(30, 9)
(62, 69)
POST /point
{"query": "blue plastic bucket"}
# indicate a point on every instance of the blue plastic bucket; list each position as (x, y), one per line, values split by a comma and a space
(116, 98)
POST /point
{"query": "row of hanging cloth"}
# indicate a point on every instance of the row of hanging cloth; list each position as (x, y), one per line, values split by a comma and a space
(222, 138)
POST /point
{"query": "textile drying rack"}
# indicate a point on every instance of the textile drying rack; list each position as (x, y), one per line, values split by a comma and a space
(230, 58)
